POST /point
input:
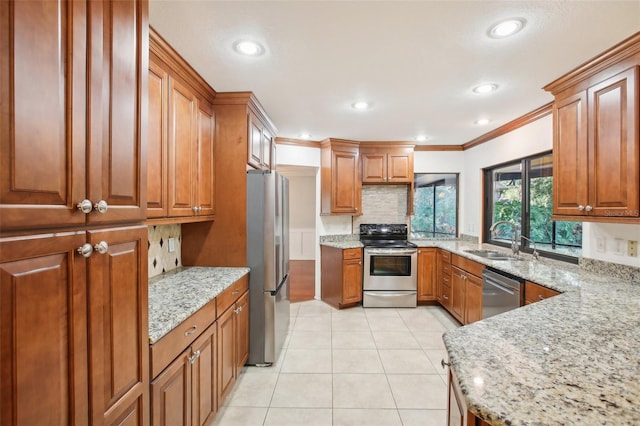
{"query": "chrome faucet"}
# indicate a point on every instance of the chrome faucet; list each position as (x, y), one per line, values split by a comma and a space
(535, 254)
(514, 242)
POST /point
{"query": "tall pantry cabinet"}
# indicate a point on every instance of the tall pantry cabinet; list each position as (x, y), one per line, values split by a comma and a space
(73, 248)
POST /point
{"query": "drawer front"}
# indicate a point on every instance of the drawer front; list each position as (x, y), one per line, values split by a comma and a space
(446, 276)
(468, 265)
(446, 296)
(165, 350)
(353, 253)
(231, 294)
(444, 256)
(535, 293)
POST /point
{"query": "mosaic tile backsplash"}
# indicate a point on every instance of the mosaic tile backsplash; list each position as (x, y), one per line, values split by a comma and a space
(382, 204)
(160, 259)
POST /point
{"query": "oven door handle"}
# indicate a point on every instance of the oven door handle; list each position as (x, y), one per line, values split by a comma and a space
(395, 251)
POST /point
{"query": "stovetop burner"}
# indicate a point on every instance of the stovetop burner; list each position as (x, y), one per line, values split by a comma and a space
(385, 235)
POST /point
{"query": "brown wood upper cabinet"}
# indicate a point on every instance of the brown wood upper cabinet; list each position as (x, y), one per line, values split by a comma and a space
(596, 145)
(341, 185)
(73, 100)
(260, 144)
(383, 164)
(181, 169)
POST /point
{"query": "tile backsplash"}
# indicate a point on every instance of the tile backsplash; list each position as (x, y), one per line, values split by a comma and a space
(382, 204)
(160, 258)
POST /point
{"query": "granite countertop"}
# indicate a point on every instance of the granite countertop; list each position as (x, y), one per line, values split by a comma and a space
(176, 295)
(570, 359)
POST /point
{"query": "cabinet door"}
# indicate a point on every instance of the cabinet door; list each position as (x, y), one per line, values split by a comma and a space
(427, 274)
(42, 113)
(254, 158)
(456, 410)
(206, 185)
(374, 167)
(157, 141)
(570, 155)
(352, 281)
(457, 293)
(614, 147)
(400, 166)
(204, 394)
(345, 182)
(473, 299)
(267, 141)
(171, 394)
(118, 68)
(242, 315)
(118, 322)
(226, 353)
(183, 136)
(43, 332)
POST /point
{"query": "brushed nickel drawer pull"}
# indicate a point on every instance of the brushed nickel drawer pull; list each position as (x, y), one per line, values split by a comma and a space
(443, 363)
(190, 331)
(540, 297)
(234, 292)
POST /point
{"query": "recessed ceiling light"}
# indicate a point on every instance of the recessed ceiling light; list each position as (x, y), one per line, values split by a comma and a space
(305, 136)
(506, 28)
(248, 48)
(422, 138)
(485, 88)
(482, 121)
(361, 105)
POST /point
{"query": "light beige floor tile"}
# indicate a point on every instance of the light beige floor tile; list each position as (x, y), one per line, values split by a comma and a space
(303, 391)
(416, 391)
(423, 417)
(361, 391)
(352, 340)
(349, 323)
(303, 339)
(368, 417)
(422, 321)
(240, 416)
(273, 368)
(313, 323)
(294, 308)
(381, 312)
(252, 389)
(314, 308)
(307, 361)
(390, 323)
(356, 310)
(299, 417)
(406, 361)
(436, 356)
(429, 339)
(356, 361)
(395, 340)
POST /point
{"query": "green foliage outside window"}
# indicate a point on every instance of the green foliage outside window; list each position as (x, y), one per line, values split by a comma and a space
(435, 205)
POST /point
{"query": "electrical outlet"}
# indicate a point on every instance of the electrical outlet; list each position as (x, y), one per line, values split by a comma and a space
(172, 244)
(601, 244)
(632, 248)
(618, 247)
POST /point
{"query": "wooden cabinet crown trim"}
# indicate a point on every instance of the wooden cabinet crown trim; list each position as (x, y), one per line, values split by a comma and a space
(251, 101)
(626, 48)
(167, 54)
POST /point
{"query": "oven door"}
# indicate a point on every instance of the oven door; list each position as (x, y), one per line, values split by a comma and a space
(390, 269)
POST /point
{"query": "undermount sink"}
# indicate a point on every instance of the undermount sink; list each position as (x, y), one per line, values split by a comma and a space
(493, 255)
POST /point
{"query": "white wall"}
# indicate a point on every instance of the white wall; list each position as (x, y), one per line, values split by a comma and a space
(611, 235)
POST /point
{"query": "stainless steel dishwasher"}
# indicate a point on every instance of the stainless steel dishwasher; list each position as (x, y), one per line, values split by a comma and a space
(501, 292)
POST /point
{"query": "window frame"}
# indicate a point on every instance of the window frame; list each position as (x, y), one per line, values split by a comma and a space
(434, 184)
(525, 213)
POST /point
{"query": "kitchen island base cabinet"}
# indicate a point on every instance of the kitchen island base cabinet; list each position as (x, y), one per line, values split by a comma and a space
(457, 413)
(341, 281)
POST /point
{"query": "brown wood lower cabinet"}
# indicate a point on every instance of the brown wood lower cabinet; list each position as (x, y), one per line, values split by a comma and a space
(427, 291)
(535, 293)
(443, 278)
(341, 282)
(189, 388)
(463, 299)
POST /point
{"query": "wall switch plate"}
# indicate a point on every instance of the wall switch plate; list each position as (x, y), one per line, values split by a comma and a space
(601, 244)
(172, 244)
(632, 248)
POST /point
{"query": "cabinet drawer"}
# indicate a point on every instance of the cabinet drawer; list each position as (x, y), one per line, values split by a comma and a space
(535, 293)
(446, 296)
(444, 256)
(353, 253)
(173, 343)
(468, 265)
(231, 294)
(446, 276)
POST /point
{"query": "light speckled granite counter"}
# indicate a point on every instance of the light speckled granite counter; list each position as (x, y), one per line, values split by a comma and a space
(176, 295)
(573, 359)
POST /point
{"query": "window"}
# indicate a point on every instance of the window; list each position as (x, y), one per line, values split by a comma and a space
(521, 192)
(435, 205)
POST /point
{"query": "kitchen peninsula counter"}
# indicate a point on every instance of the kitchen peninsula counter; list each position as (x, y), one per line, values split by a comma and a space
(175, 295)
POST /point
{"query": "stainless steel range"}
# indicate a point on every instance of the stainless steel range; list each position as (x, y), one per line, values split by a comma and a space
(390, 267)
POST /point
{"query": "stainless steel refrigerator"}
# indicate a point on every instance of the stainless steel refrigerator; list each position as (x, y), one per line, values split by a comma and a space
(268, 258)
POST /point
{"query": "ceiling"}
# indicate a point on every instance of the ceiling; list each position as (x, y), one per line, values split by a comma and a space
(416, 62)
